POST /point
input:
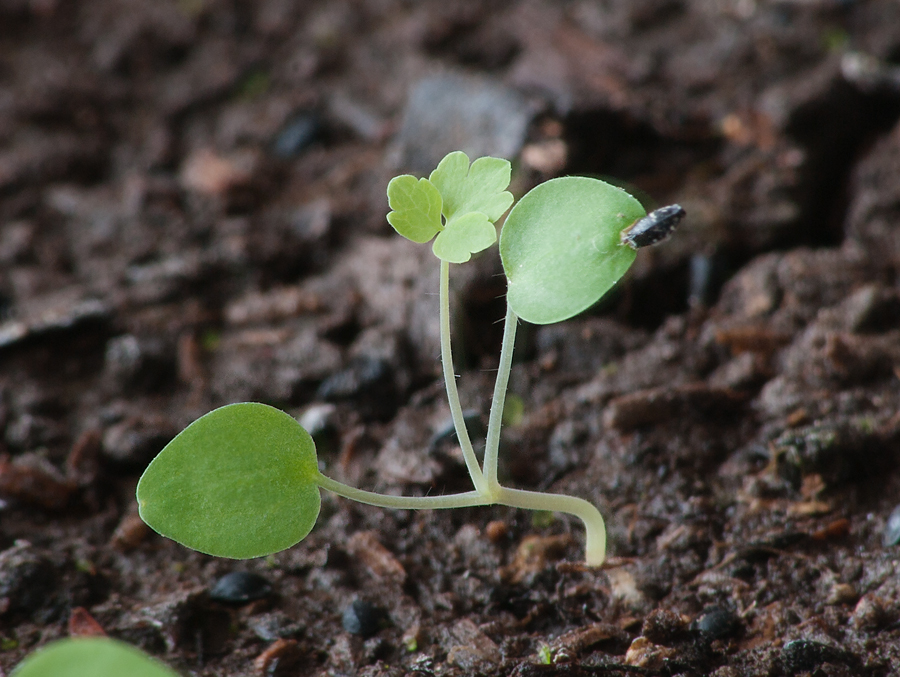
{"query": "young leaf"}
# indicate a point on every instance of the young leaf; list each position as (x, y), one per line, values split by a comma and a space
(561, 247)
(417, 208)
(466, 235)
(479, 188)
(239, 482)
(90, 657)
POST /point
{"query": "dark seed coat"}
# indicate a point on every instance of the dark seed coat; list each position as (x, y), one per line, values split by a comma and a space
(657, 226)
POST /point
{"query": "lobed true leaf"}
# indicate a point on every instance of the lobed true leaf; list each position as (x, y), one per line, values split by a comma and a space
(416, 206)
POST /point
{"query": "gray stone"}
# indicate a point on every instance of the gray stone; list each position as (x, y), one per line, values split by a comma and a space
(448, 112)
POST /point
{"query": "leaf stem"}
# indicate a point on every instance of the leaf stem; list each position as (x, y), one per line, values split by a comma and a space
(492, 445)
(456, 411)
(595, 530)
(465, 500)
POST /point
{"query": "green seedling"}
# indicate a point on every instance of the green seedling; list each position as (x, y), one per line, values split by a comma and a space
(90, 657)
(243, 481)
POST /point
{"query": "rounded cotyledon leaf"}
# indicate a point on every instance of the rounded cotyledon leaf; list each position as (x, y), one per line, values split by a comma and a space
(561, 247)
(90, 657)
(239, 482)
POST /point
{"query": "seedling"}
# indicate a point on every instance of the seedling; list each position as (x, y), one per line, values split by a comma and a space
(243, 481)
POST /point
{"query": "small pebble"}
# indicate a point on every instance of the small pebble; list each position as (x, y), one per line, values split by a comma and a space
(842, 593)
(296, 136)
(240, 587)
(892, 529)
(803, 655)
(869, 613)
(496, 531)
(362, 618)
(716, 623)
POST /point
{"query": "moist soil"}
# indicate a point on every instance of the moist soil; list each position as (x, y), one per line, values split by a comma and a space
(192, 213)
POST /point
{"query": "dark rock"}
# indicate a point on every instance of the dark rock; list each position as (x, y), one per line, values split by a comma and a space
(186, 620)
(28, 582)
(804, 655)
(240, 587)
(296, 136)
(891, 534)
(362, 618)
(716, 623)
(841, 452)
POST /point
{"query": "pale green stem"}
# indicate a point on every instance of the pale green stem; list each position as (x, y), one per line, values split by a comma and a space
(466, 500)
(492, 445)
(487, 488)
(595, 529)
(456, 411)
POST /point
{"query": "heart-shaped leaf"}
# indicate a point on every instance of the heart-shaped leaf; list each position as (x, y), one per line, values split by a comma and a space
(465, 235)
(239, 482)
(417, 208)
(561, 247)
(90, 657)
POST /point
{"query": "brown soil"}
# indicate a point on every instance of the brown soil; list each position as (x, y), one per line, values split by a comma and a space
(192, 213)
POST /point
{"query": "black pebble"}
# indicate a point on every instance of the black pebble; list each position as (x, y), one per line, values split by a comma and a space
(804, 655)
(716, 623)
(362, 618)
(240, 587)
(891, 534)
(296, 136)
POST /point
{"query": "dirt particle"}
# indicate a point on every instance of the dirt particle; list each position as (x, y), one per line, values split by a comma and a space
(33, 480)
(533, 555)
(130, 532)
(82, 624)
(364, 546)
(278, 659)
(662, 626)
(645, 654)
(469, 648)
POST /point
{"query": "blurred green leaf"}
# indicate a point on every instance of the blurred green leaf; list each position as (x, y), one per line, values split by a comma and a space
(90, 657)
